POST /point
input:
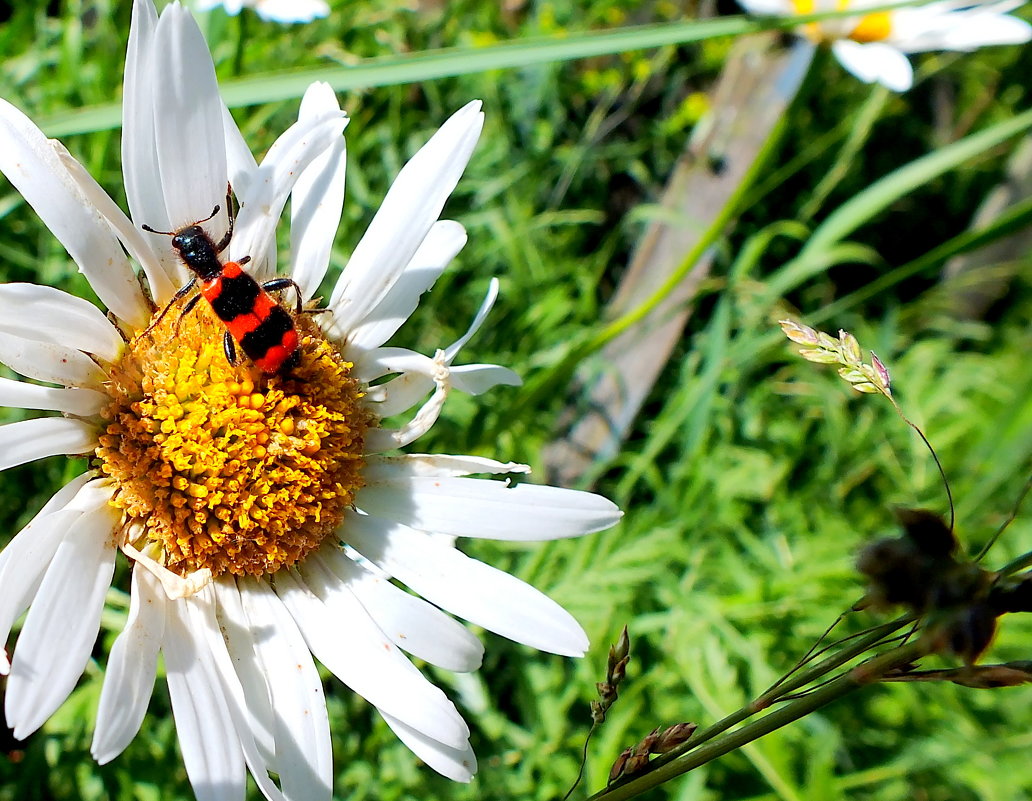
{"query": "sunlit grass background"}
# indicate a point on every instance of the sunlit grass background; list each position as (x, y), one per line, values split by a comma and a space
(750, 478)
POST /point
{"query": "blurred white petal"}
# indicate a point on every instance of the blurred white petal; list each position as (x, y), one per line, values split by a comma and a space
(457, 764)
(304, 759)
(875, 62)
(55, 316)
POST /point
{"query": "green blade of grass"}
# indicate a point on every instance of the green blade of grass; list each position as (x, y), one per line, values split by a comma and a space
(866, 205)
(433, 64)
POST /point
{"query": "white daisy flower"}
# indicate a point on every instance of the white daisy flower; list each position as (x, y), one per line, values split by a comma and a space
(873, 45)
(263, 514)
(274, 10)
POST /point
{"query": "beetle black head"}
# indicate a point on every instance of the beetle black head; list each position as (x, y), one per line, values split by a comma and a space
(197, 251)
(196, 248)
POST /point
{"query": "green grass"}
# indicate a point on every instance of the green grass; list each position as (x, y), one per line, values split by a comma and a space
(750, 479)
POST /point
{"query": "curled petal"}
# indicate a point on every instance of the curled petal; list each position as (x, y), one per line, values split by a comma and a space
(55, 316)
(48, 361)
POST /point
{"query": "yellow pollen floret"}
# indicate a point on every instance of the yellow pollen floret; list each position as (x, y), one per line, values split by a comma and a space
(224, 467)
(874, 27)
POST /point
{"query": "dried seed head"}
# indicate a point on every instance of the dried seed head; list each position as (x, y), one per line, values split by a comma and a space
(674, 736)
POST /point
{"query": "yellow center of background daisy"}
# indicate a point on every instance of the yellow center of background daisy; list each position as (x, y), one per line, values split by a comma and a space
(873, 28)
(224, 467)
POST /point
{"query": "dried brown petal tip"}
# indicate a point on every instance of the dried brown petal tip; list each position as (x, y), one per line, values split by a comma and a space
(644, 748)
(991, 677)
(619, 672)
(674, 736)
(635, 764)
(617, 770)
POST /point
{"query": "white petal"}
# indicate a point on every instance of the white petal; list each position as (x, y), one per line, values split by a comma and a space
(61, 627)
(457, 764)
(131, 667)
(23, 395)
(475, 507)
(304, 756)
(291, 10)
(414, 625)
(317, 198)
(240, 642)
(399, 394)
(945, 27)
(241, 163)
(383, 468)
(465, 587)
(143, 189)
(119, 289)
(875, 62)
(26, 557)
(55, 316)
(211, 750)
(188, 136)
(352, 647)
(403, 220)
(142, 183)
(28, 440)
(773, 8)
(47, 361)
(442, 243)
(476, 379)
(200, 612)
(383, 361)
(262, 203)
(986, 29)
(478, 320)
(37, 171)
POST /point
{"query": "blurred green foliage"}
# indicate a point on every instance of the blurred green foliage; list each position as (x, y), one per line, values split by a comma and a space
(750, 478)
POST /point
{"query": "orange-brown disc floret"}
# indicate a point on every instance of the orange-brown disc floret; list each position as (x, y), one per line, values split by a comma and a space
(225, 467)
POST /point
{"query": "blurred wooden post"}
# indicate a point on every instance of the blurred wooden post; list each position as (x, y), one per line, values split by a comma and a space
(756, 85)
(978, 279)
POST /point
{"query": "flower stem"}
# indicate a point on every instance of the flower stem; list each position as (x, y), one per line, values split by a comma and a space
(697, 752)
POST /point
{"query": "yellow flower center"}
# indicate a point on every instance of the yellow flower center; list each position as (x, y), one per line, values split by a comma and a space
(873, 28)
(224, 467)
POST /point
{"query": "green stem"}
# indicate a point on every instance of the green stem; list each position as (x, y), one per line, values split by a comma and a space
(794, 682)
(860, 676)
